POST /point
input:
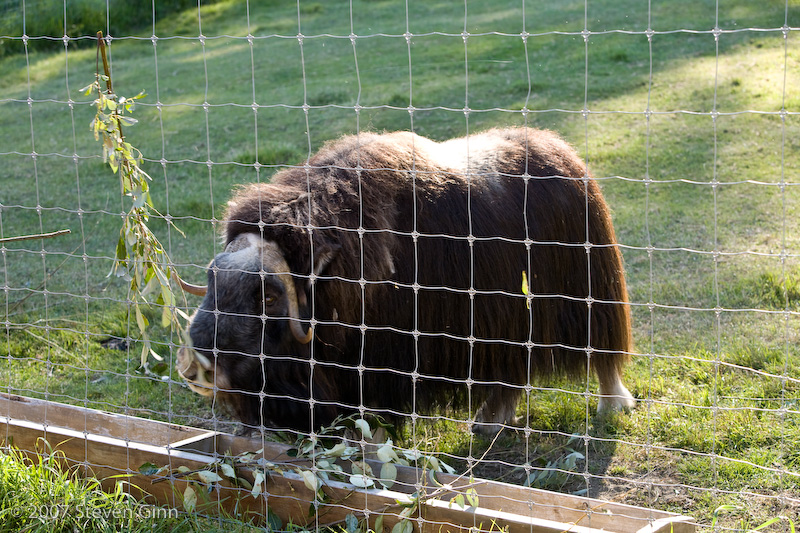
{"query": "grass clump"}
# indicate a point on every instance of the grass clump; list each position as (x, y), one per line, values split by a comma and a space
(40, 494)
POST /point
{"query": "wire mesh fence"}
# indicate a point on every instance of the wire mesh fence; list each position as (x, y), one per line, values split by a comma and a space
(685, 115)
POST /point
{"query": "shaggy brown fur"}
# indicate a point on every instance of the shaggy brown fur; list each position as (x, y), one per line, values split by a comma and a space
(429, 342)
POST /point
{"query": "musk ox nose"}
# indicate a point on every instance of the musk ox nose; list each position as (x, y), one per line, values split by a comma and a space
(195, 369)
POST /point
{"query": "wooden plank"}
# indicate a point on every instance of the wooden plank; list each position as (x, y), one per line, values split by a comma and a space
(565, 508)
(93, 421)
(105, 445)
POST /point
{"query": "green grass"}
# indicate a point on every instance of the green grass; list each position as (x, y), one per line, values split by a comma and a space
(719, 359)
(42, 495)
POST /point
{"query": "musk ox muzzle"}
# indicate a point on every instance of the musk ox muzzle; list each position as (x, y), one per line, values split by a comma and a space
(385, 275)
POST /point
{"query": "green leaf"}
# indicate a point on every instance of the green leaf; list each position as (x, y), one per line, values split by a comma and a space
(127, 121)
(166, 292)
(350, 452)
(571, 460)
(388, 475)
(379, 524)
(273, 521)
(257, 481)
(208, 477)
(138, 197)
(363, 426)
(386, 454)
(141, 320)
(432, 476)
(228, 471)
(164, 282)
(526, 288)
(472, 496)
(361, 481)
(122, 249)
(459, 501)
(337, 450)
(189, 498)
(130, 238)
(351, 523)
(161, 368)
(311, 480)
(404, 526)
(412, 455)
(166, 317)
(149, 469)
(447, 468)
(362, 467)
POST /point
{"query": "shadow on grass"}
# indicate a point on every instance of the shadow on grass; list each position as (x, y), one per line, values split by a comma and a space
(555, 447)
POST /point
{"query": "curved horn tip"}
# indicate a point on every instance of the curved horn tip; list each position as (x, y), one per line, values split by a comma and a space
(297, 331)
(197, 290)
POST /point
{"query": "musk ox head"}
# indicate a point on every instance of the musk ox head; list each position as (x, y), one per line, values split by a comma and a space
(252, 312)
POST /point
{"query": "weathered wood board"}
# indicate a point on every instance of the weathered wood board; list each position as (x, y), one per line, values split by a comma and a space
(105, 444)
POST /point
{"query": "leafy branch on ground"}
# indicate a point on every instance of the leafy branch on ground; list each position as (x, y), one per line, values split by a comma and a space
(140, 257)
(324, 457)
(554, 474)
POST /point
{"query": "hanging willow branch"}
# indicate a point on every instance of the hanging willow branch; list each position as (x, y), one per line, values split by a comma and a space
(140, 257)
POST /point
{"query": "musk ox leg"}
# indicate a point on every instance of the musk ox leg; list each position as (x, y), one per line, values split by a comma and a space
(498, 410)
(614, 396)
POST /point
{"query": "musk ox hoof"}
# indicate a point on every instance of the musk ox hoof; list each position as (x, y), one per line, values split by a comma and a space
(246, 431)
(491, 419)
(490, 430)
(620, 399)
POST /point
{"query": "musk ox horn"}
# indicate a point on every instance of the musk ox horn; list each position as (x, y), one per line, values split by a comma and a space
(294, 313)
(272, 259)
(197, 290)
(297, 330)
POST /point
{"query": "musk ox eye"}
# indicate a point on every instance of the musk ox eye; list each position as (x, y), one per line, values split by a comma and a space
(270, 300)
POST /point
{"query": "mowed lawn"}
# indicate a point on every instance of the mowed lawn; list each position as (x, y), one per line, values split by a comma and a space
(694, 135)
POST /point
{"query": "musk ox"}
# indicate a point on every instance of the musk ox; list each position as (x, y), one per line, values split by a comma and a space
(386, 273)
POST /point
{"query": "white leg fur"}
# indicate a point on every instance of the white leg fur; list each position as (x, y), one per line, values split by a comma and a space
(614, 396)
